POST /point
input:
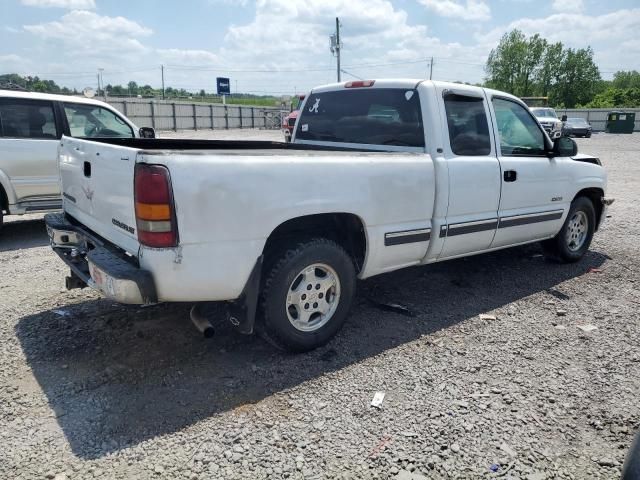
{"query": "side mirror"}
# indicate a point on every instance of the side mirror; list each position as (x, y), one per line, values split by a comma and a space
(147, 132)
(564, 118)
(565, 147)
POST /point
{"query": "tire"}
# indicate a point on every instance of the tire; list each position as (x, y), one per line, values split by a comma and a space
(297, 315)
(588, 135)
(575, 236)
(1, 218)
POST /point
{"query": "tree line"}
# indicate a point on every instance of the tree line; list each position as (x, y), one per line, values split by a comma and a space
(534, 67)
(132, 89)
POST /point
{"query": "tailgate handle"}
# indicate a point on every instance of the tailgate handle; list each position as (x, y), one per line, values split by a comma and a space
(87, 169)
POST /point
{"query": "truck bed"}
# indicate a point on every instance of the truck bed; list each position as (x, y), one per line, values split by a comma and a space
(253, 147)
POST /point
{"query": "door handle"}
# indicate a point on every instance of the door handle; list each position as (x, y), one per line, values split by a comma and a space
(510, 175)
(87, 169)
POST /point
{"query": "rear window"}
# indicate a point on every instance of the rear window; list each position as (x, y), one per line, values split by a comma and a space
(373, 116)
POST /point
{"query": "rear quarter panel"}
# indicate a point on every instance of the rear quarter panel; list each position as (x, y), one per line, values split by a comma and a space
(228, 204)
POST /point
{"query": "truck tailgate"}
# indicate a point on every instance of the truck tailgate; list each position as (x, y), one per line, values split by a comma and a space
(97, 189)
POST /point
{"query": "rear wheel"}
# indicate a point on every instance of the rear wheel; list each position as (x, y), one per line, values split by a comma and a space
(573, 240)
(307, 294)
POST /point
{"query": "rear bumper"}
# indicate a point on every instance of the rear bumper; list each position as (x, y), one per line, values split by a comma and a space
(97, 264)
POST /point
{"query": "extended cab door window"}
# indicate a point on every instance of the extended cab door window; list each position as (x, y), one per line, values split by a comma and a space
(468, 126)
(92, 121)
(519, 133)
(369, 116)
(32, 119)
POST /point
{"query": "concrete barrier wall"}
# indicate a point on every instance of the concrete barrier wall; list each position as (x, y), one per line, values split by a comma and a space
(179, 115)
(168, 115)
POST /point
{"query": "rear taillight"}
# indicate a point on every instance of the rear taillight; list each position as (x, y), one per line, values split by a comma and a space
(155, 212)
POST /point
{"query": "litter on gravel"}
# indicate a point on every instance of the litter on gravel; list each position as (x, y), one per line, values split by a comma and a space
(378, 398)
(487, 316)
(587, 328)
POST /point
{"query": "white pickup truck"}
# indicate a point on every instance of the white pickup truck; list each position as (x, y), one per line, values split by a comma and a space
(380, 175)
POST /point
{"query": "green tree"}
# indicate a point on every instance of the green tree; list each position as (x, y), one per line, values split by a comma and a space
(577, 80)
(132, 88)
(628, 79)
(534, 67)
(514, 64)
(549, 71)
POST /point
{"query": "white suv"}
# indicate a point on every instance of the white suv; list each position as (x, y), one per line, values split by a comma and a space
(31, 125)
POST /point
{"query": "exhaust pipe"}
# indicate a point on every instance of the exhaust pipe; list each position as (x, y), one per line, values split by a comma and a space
(201, 322)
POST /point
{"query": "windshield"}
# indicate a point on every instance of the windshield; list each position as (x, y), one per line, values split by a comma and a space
(373, 116)
(544, 113)
(577, 121)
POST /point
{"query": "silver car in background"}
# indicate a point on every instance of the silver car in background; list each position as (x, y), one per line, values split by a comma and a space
(31, 125)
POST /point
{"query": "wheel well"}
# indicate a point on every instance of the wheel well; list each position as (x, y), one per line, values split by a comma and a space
(595, 195)
(345, 229)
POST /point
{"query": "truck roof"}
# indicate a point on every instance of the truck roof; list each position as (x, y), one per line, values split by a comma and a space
(411, 83)
(51, 97)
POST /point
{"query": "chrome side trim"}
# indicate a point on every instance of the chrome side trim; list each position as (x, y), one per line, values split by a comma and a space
(407, 236)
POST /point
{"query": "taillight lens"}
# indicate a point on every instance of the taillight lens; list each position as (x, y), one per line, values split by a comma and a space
(155, 212)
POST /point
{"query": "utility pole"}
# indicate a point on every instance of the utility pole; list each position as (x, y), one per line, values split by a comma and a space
(431, 69)
(335, 45)
(101, 82)
(98, 91)
(338, 44)
(162, 72)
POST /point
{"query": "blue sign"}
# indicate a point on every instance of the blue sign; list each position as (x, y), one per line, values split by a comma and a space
(224, 86)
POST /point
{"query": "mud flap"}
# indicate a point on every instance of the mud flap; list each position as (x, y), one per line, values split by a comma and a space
(242, 311)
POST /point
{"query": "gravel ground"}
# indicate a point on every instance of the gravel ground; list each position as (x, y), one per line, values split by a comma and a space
(92, 389)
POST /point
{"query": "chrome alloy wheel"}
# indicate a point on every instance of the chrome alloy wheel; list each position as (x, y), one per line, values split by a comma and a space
(577, 230)
(313, 297)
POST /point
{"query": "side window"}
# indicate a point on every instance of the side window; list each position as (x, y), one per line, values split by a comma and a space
(468, 126)
(93, 121)
(27, 119)
(519, 132)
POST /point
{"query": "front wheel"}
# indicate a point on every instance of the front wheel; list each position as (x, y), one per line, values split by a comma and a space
(573, 240)
(307, 294)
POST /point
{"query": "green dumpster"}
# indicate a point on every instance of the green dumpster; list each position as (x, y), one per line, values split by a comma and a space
(620, 122)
